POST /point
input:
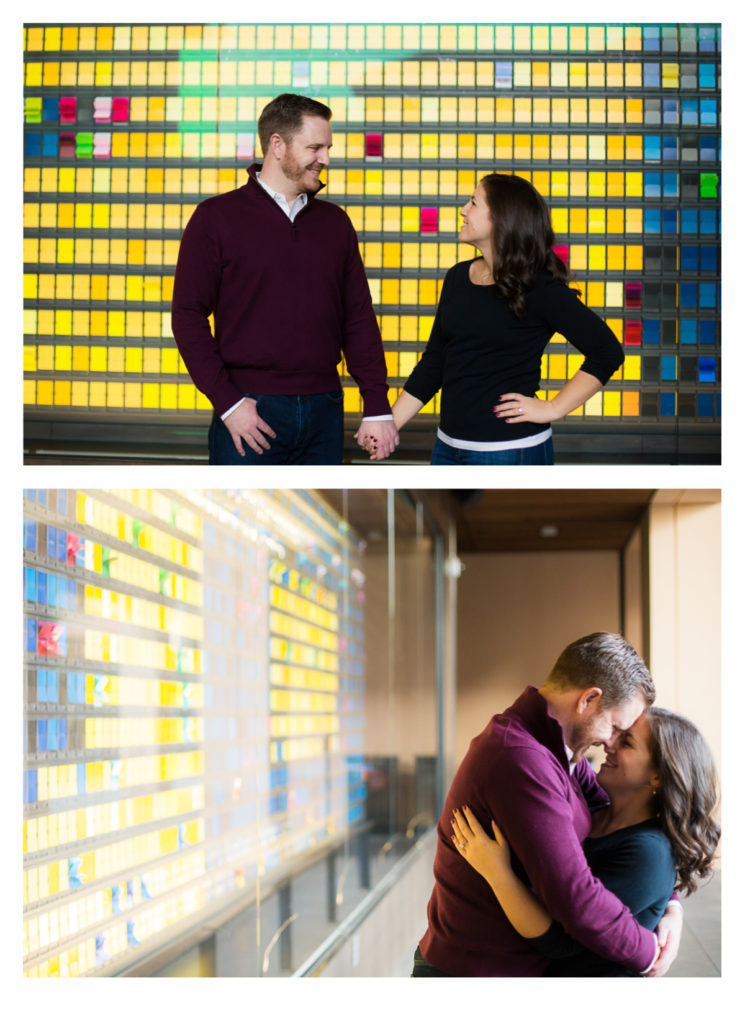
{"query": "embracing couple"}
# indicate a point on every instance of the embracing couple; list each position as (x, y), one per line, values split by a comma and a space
(545, 868)
(280, 273)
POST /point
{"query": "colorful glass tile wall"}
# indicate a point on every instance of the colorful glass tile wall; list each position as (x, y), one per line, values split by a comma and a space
(194, 708)
(129, 127)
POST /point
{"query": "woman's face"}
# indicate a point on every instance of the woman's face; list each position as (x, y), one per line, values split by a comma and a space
(477, 223)
(628, 763)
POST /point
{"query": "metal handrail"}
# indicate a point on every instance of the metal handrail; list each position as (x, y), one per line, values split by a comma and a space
(328, 949)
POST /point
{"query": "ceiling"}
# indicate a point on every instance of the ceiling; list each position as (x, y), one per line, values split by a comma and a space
(507, 520)
(578, 520)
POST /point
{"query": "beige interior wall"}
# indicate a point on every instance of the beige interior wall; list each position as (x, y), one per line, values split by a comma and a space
(685, 606)
(516, 612)
(634, 586)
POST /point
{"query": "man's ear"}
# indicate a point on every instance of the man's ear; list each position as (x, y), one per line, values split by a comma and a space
(589, 700)
(277, 145)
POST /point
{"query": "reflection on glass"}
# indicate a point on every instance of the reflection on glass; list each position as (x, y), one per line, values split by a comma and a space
(229, 722)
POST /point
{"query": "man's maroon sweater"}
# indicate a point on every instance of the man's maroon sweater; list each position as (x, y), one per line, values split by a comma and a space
(288, 299)
(516, 772)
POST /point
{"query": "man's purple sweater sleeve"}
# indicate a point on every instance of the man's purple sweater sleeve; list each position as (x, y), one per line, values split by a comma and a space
(536, 817)
(195, 290)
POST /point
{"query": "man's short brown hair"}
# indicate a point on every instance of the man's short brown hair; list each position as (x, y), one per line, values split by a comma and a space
(605, 660)
(284, 116)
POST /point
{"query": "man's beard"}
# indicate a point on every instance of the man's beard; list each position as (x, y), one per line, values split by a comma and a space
(295, 172)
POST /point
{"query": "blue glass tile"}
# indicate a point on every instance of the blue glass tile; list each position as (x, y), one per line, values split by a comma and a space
(670, 222)
(670, 113)
(689, 257)
(30, 534)
(707, 39)
(32, 144)
(652, 147)
(50, 145)
(708, 295)
(709, 222)
(52, 590)
(670, 147)
(652, 182)
(670, 184)
(651, 75)
(705, 405)
(709, 260)
(41, 587)
(651, 37)
(50, 108)
(651, 332)
(689, 222)
(503, 75)
(707, 370)
(30, 627)
(652, 222)
(667, 405)
(688, 332)
(669, 368)
(707, 76)
(707, 332)
(688, 295)
(30, 584)
(33, 785)
(81, 780)
(709, 112)
(62, 501)
(689, 111)
(709, 147)
(41, 735)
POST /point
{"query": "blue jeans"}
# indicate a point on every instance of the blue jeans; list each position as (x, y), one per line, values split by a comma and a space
(539, 455)
(309, 429)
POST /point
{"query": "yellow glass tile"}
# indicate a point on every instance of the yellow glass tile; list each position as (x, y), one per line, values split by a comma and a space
(597, 257)
(630, 403)
(577, 220)
(634, 257)
(595, 293)
(594, 406)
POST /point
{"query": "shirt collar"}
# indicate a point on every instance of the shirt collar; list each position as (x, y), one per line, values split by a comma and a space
(298, 204)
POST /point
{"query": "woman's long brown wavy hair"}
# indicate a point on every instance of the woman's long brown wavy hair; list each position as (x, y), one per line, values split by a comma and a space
(522, 238)
(687, 797)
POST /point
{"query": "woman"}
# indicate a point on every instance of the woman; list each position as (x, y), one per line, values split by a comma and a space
(496, 315)
(657, 834)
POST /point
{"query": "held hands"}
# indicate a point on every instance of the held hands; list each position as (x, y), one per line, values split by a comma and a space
(517, 408)
(245, 424)
(490, 857)
(379, 438)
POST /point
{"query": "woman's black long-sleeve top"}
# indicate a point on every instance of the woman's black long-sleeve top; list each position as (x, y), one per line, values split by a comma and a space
(479, 350)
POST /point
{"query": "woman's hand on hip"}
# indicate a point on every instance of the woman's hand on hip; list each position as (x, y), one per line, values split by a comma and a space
(517, 408)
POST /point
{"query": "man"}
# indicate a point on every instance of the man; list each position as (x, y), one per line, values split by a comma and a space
(281, 272)
(527, 772)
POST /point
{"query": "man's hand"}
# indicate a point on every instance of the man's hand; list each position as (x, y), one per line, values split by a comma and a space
(245, 424)
(378, 437)
(669, 932)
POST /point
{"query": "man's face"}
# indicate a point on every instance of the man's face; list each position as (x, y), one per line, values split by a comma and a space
(604, 726)
(307, 154)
